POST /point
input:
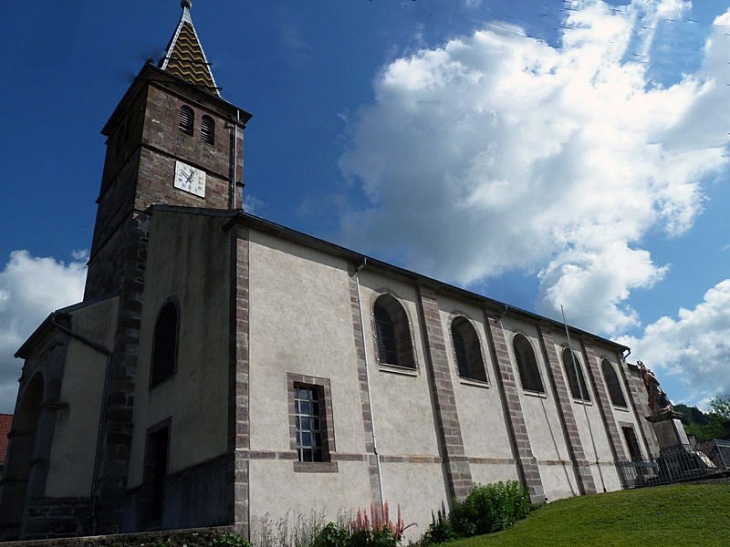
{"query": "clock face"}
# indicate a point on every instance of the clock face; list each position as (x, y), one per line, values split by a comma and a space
(189, 179)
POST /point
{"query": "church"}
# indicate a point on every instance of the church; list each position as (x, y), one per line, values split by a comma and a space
(223, 369)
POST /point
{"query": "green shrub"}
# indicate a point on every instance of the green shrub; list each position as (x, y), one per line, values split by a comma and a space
(440, 529)
(333, 535)
(490, 508)
(373, 538)
(231, 540)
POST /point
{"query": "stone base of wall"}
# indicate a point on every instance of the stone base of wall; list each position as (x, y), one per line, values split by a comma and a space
(195, 497)
(57, 517)
(193, 537)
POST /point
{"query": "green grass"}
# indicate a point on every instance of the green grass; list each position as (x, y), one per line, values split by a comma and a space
(667, 516)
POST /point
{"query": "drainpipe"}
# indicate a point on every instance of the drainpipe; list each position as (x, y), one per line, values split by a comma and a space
(367, 378)
(235, 161)
(97, 457)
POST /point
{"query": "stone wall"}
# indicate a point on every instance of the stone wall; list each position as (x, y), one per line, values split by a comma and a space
(193, 537)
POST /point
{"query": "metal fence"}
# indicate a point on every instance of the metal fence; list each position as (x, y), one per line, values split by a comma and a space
(676, 464)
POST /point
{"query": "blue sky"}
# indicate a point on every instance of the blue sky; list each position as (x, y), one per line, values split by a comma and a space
(542, 153)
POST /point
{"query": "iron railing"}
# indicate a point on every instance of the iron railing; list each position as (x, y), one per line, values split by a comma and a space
(676, 464)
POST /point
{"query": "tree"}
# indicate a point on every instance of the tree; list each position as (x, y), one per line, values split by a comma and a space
(709, 425)
(720, 406)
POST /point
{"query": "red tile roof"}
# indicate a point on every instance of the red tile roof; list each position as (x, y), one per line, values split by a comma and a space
(6, 420)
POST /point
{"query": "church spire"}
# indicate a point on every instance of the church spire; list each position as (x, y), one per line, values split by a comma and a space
(185, 58)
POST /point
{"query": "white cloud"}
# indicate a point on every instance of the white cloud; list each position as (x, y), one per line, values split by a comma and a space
(498, 152)
(252, 204)
(30, 289)
(694, 346)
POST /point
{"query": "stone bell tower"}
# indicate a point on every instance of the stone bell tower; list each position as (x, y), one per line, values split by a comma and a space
(172, 140)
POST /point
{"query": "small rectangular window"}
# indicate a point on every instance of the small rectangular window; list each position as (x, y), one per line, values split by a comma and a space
(311, 424)
(308, 423)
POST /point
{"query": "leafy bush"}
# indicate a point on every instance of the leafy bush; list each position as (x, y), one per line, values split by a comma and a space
(231, 540)
(487, 509)
(333, 535)
(371, 528)
(384, 537)
(491, 508)
(440, 529)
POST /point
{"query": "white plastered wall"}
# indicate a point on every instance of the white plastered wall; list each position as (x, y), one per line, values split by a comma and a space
(591, 428)
(301, 323)
(71, 463)
(404, 413)
(542, 417)
(484, 426)
(187, 259)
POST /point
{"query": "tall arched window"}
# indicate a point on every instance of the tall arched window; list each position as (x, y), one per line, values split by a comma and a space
(612, 383)
(187, 120)
(392, 332)
(527, 364)
(207, 130)
(574, 372)
(164, 345)
(468, 350)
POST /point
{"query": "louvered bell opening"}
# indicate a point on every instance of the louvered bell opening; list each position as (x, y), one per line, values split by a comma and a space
(186, 120)
(207, 130)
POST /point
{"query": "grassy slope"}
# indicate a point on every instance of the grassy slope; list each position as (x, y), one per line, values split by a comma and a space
(680, 515)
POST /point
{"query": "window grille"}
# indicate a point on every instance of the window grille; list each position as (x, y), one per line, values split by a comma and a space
(393, 333)
(308, 423)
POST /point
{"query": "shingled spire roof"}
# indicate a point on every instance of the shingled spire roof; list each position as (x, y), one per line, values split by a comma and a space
(185, 58)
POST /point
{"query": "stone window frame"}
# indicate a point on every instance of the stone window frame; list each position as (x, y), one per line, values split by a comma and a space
(611, 387)
(322, 385)
(186, 122)
(406, 370)
(153, 382)
(569, 370)
(477, 353)
(524, 372)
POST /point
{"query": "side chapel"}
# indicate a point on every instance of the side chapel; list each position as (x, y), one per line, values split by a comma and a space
(222, 369)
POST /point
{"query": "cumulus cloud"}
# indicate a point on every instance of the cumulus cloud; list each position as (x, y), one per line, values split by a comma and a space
(252, 204)
(498, 152)
(30, 289)
(694, 346)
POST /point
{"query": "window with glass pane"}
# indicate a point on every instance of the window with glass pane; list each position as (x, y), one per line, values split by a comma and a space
(574, 372)
(387, 343)
(308, 423)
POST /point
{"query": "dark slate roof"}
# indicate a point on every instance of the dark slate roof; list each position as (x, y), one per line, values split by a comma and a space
(185, 58)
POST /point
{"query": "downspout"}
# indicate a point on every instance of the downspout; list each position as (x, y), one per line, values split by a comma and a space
(235, 161)
(583, 398)
(105, 393)
(367, 379)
